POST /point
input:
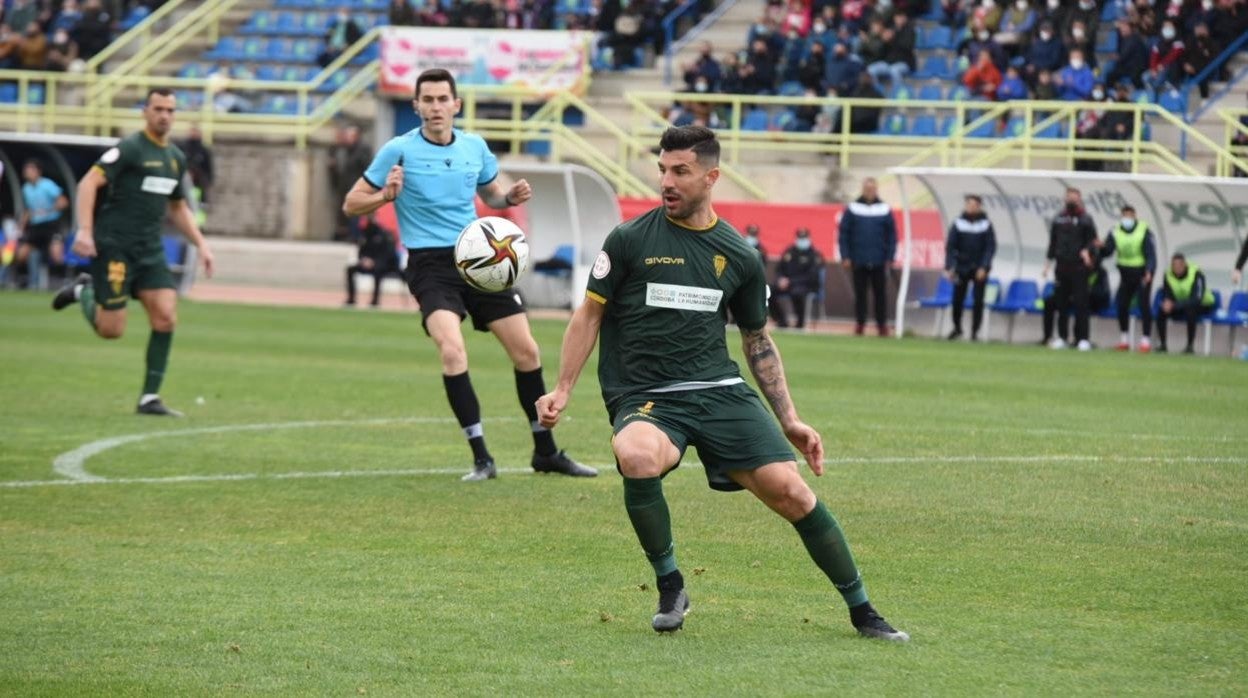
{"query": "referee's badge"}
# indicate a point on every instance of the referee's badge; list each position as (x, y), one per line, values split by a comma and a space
(721, 263)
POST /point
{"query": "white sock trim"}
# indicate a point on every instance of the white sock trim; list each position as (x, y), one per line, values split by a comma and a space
(148, 397)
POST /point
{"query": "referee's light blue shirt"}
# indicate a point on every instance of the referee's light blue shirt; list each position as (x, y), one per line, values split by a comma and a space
(40, 199)
(439, 184)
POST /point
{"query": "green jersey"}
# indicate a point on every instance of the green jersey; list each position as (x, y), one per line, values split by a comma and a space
(667, 290)
(142, 178)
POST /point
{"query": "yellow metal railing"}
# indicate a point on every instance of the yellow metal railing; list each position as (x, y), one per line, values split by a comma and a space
(1233, 127)
(142, 33)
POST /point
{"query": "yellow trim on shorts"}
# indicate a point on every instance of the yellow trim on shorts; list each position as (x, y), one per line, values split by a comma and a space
(594, 296)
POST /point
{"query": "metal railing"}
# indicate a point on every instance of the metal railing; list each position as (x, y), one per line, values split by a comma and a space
(143, 33)
(1233, 126)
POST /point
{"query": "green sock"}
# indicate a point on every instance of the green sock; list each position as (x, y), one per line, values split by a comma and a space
(647, 509)
(157, 359)
(86, 301)
(827, 546)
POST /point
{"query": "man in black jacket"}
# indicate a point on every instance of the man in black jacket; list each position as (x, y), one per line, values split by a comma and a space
(378, 257)
(1238, 274)
(968, 257)
(868, 242)
(1072, 237)
(797, 276)
(1132, 56)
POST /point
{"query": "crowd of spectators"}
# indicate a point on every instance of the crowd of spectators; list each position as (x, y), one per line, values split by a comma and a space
(58, 35)
(1010, 50)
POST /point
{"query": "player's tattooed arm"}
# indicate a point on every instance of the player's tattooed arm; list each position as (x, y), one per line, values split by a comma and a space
(764, 360)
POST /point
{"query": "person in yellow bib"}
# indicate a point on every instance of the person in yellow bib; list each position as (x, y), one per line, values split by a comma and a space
(1132, 241)
(1185, 294)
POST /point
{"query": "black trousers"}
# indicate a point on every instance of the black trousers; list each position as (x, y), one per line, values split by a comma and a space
(876, 278)
(1131, 286)
(977, 300)
(1052, 318)
(378, 272)
(1071, 294)
(796, 297)
(1191, 312)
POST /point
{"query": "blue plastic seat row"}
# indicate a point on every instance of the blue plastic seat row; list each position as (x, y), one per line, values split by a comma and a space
(332, 5)
(258, 49)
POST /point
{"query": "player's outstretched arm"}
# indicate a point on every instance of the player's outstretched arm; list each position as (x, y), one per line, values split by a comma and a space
(184, 220)
(764, 359)
(498, 198)
(578, 344)
(88, 190)
(364, 198)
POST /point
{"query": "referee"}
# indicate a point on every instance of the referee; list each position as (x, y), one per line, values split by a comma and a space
(432, 175)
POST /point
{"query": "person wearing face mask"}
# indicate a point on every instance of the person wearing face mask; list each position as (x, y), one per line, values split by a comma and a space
(61, 52)
(1132, 56)
(32, 50)
(731, 81)
(1072, 240)
(1080, 39)
(969, 250)
(1086, 13)
(987, 14)
(1201, 50)
(708, 68)
(982, 40)
(843, 70)
(797, 277)
(762, 75)
(813, 71)
(1165, 61)
(1053, 12)
(868, 244)
(1044, 54)
(1016, 27)
(343, 32)
(1184, 294)
(1132, 241)
(1075, 81)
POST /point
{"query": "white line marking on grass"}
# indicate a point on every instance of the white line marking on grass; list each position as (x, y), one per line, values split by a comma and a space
(327, 474)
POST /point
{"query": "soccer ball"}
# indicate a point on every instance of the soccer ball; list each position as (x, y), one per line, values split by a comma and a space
(491, 254)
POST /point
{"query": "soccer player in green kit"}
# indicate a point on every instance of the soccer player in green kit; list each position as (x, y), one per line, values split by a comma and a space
(658, 295)
(122, 201)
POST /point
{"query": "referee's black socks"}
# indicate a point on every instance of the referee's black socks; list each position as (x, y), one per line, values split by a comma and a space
(468, 411)
(529, 387)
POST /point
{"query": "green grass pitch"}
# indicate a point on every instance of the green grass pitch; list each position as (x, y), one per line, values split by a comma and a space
(1040, 522)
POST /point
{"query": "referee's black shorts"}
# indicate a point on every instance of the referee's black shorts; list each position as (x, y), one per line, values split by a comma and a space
(436, 284)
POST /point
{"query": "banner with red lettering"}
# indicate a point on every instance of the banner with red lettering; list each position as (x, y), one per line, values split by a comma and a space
(546, 61)
(778, 224)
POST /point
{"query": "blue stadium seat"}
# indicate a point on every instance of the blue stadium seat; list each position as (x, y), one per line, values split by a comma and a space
(289, 23)
(373, 51)
(8, 93)
(936, 38)
(992, 294)
(194, 70)
(137, 14)
(984, 130)
(335, 81)
(279, 104)
(900, 93)
(936, 66)
(269, 73)
(1143, 96)
(754, 120)
(228, 48)
(791, 89)
(942, 297)
(894, 125)
(1020, 296)
(261, 22)
(35, 93)
(1173, 101)
(923, 125)
(1015, 127)
(370, 5)
(1235, 316)
(948, 125)
(1051, 131)
(305, 51)
(958, 93)
(784, 120)
(254, 48)
(930, 92)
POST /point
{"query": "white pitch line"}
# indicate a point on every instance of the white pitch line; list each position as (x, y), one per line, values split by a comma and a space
(327, 474)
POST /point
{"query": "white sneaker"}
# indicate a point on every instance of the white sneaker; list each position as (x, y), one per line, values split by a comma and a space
(1057, 343)
(1085, 345)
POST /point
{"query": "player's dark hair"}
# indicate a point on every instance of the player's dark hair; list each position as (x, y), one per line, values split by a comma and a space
(33, 163)
(162, 91)
(1179, 255)
(700, 139)
(1073, 189)
(976, 198)
(1128, 209)
(436, 75)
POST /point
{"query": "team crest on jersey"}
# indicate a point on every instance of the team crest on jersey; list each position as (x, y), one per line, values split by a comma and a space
(721, 263)
(116, 275)
(447, 162)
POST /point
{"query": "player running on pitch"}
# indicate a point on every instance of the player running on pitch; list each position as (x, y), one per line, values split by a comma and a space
(658, 294)
(432, 174)
(122, 201)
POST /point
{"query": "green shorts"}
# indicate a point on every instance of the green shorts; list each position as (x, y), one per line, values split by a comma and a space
(118, 273)
(728, 427)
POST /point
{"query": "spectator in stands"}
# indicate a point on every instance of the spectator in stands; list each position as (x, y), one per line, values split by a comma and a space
(1201, 50)
(982, 41)
(9, 45)
(1132, 57)
(32, 49)
(20, 14)
(1174, 12)
(813, 73)
(986, 15)
(1045, 90)
(347, 160)
(1075, 82)
(898, 57)
(731, 82)
(758, 76)
(1016, 28)
(752, 239)
(343, 32)
(1116, 124)
(1012, 86)
(1045, 53)
(1142, 15)
(378, 257)
(1165, 61)
(403, 14)
(1090, 127)
(626, 34)
(708, 68)
(199, 163)
(797, 277)
(868, 243)
(1087, 14)
(1230, 21)
(1205, 14)
(983, 78)
(853, 14)
(1053, 13)
(62, 51)
(843, 70)
(871, 42)
(68, 17)
(864, 119)
(969, 249)
(797, 18)
(1072, 238)
(1185, 294)
(821, 32)
(953, 12)
(1079, 39)
(41, 220)
(94, 29)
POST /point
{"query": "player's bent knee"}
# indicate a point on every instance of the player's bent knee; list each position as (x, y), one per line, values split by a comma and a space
(639, 459)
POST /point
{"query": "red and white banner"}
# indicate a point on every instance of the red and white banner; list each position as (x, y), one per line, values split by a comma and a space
(547, 61)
